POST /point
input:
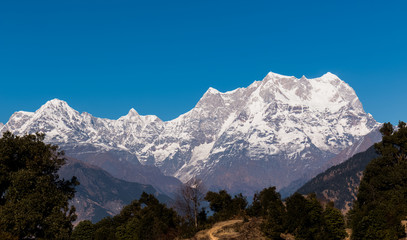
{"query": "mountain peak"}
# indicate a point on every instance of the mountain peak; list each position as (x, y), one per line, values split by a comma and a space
(330, 75)
(325, 92)
(133, 112)
(133, 115)
(55, 101)
(56, 104)
(273, 75)
(56, 109)
(212, 90)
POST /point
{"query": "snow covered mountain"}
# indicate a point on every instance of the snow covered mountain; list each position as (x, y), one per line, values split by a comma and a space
(274, 132)
(94, 140)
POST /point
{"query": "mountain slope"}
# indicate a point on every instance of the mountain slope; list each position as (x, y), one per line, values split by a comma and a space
(274, 132)
(99, 194)
(340, 183)
(278, 131)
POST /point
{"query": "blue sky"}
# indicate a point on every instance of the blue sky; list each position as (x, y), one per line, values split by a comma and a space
(159, 57)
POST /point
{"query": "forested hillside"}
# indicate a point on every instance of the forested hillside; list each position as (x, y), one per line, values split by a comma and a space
(340, 183)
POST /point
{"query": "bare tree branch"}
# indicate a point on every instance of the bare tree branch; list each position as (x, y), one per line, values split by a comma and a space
(189, 198)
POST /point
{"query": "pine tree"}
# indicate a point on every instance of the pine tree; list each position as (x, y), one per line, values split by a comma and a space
(268, 205)
(333, 223)
(308, 220)
(239, 204)
(33, 200)
(144, 219)
(381, 202)
(83, 231)
(224, 206)
(221, 204)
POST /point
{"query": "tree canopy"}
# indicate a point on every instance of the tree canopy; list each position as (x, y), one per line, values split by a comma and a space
(145, 219)
(307, 219)
(224, 206)
(33, 200)
(268, 204)
(381, 201)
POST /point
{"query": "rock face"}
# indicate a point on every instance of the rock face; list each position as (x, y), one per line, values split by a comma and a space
(277, 131)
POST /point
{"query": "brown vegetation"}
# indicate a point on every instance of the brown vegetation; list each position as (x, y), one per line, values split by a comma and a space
(232, 229)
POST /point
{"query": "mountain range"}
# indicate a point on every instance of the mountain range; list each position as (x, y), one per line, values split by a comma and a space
(280, 131)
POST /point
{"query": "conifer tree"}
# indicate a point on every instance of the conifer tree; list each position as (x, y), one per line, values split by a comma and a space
(308, 220)
(268, 204)
(224, 206)
(33, 200)
(221, 204)
(144, 219)
(333, 227)
(83, 231)
(381, 202)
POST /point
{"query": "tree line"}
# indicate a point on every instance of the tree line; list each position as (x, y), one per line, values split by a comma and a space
(146, 218)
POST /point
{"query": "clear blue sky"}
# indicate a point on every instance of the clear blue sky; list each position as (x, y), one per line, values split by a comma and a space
(159, 57)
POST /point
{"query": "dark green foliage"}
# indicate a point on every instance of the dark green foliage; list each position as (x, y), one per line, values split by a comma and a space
(340, 182)
(268, 204)
(224, 206)
(33, 200)
(265, 200)
(145, 218)
(83, 231)
(307, 219)
(381, 202)
(218, 201)
(333, 223)
(304, 216)
(202, 217)
(239, 204)
(105, 229)
(296, 212)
